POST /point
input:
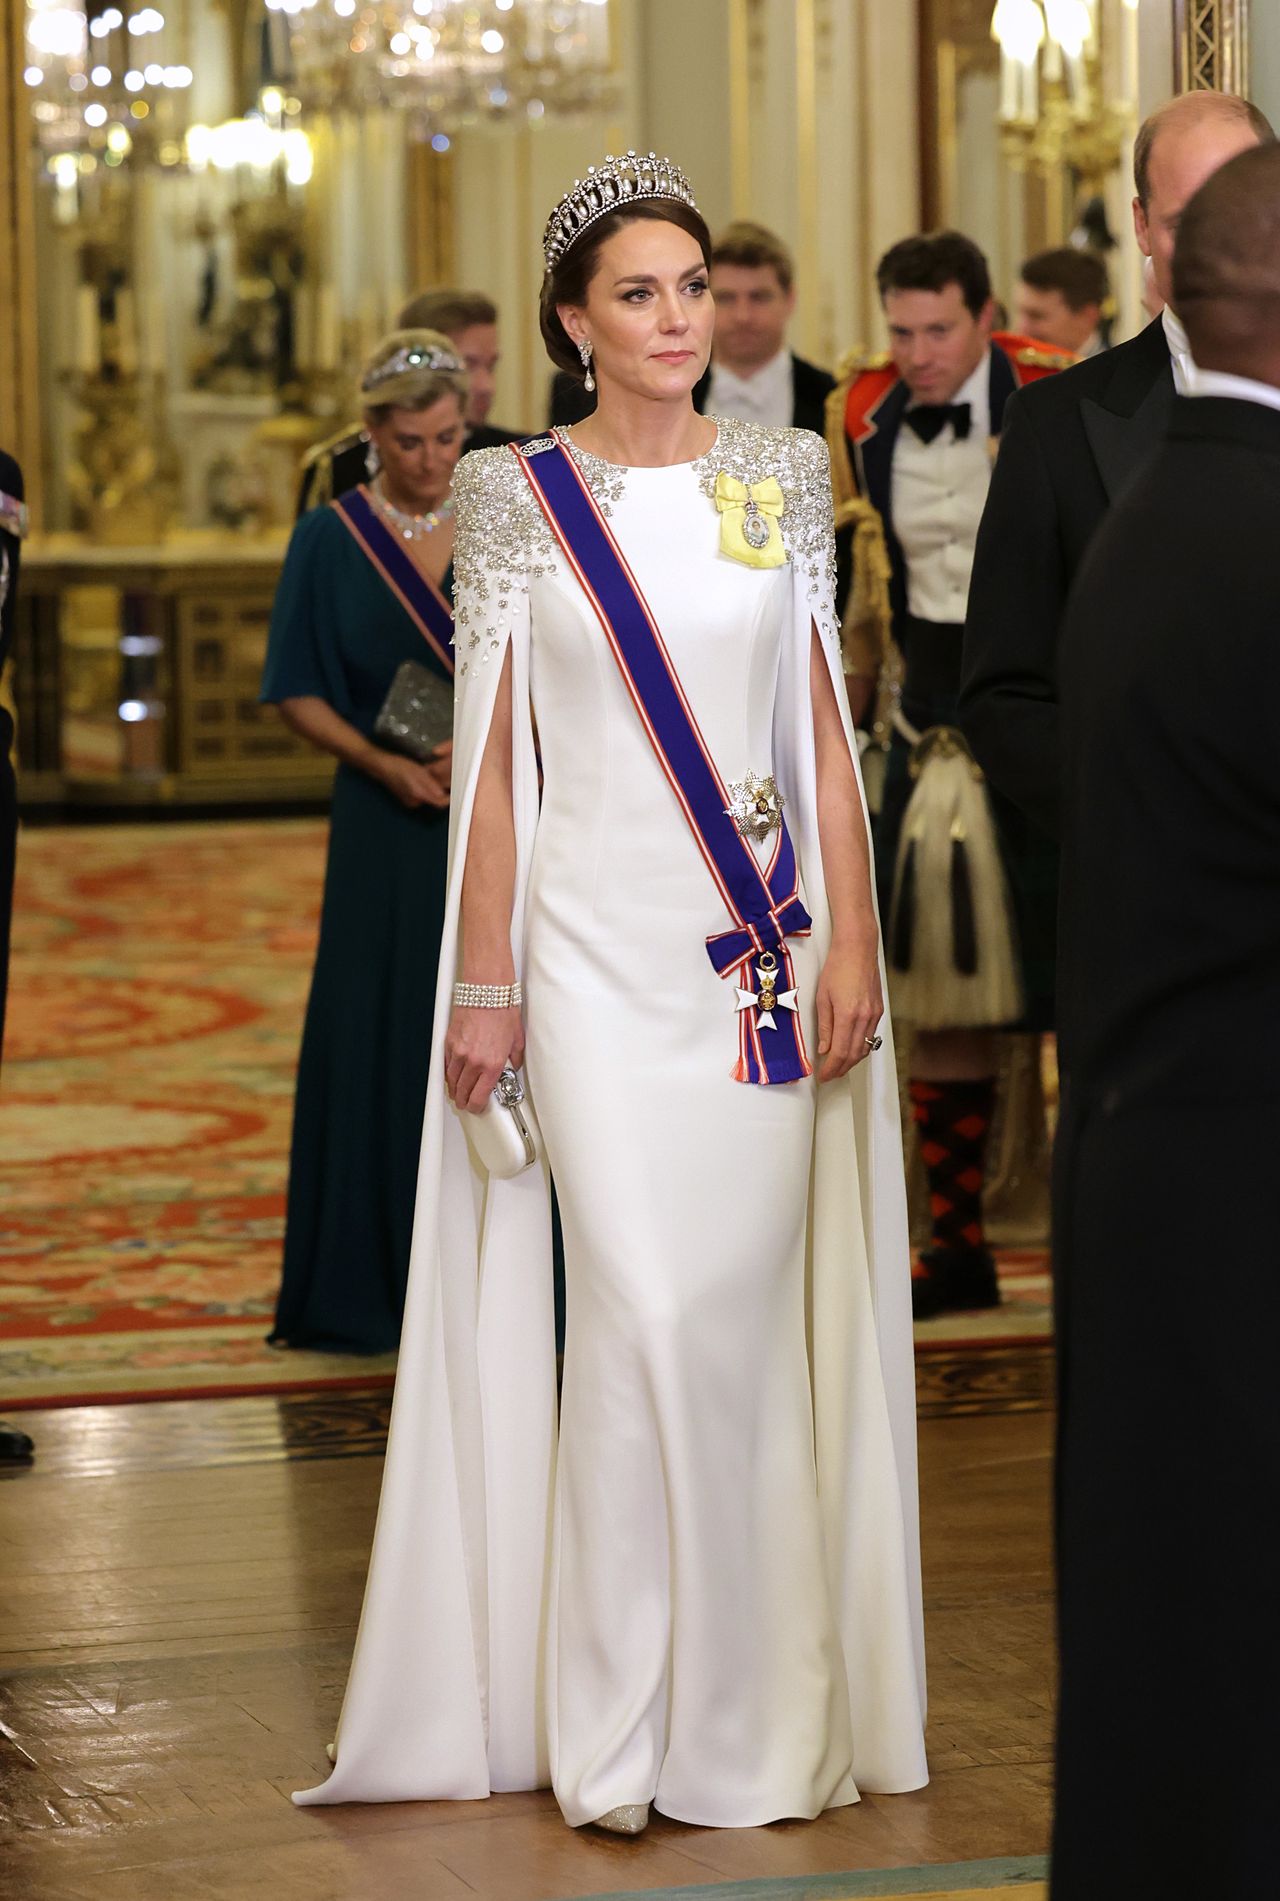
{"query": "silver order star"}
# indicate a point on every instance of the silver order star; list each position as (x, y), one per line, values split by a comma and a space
(784, 1000)
(755, 806)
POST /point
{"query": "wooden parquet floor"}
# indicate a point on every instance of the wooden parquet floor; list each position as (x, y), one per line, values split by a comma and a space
(181, 1583)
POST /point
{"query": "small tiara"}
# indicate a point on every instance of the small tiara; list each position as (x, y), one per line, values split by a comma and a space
(411, 356)
(619, 181)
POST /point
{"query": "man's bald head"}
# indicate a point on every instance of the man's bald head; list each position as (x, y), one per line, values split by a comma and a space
(1178, 148)
(1226, 267)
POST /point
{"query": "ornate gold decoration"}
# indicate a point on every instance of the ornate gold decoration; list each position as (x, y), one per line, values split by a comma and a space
(1211, 46)
(123, 477)
(1054, 112)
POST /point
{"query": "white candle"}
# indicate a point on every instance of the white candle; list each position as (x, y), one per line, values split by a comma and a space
(1008, 87)
(88, 343)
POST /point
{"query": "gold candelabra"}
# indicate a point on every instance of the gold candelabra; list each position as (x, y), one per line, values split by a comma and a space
(123, 474)
(1054, 112)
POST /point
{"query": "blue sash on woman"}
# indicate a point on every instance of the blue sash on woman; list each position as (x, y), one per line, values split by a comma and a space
(765, 905)
(425, 605)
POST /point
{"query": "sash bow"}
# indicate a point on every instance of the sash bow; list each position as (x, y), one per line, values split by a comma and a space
(760, 503)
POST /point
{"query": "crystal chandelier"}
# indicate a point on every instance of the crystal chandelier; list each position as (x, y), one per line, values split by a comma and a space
(1054, 111)
(450, 62)
(102, 80)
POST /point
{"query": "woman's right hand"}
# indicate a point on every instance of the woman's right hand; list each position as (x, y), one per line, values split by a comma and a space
(413, 784)
(477, 1045)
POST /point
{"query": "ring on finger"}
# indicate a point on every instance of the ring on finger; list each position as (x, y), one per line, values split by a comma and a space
(873, 1043)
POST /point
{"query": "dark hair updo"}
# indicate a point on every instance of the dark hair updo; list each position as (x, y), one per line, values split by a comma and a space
(567, 280)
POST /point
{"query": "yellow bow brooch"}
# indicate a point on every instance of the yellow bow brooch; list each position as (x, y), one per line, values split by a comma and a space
(749, 530)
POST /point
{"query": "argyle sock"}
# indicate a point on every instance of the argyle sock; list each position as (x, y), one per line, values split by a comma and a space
(954, 1121)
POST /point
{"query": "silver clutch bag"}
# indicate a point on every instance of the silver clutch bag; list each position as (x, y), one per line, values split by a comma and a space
(416, 717)
(505, 1135)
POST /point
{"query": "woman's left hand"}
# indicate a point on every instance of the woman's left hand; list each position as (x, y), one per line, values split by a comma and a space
(850, 1004)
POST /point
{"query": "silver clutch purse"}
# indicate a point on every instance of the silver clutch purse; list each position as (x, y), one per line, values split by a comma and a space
(416, 717)
(505, 1135)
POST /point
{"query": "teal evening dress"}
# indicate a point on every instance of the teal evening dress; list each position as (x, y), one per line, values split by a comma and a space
(339, 633)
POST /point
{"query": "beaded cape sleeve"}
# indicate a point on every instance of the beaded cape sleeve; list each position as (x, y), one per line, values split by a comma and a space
(502, 541)
(501, 544)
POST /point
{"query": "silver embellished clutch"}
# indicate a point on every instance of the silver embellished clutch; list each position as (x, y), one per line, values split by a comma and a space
(416, 717)
(505, 1135)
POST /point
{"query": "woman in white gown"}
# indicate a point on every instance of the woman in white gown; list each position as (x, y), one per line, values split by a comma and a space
(709, 1600)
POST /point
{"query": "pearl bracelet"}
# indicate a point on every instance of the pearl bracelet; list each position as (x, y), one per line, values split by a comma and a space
(488, 996)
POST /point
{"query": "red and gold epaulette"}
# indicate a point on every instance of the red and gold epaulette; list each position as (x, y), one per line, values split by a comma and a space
(1029, 358)
(867, 377)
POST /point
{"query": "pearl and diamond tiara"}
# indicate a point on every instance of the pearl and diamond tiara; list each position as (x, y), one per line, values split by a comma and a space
(619, 181)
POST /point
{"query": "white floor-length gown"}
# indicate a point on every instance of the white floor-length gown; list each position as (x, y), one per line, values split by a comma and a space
(711, 1598)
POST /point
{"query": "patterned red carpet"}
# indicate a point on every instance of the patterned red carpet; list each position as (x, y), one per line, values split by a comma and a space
(158, 985)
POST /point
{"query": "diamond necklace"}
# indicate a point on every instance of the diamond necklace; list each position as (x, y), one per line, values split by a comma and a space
(411, 527)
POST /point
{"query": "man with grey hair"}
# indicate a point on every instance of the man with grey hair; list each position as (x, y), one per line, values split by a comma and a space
(1070, 445)
(1169, 1448)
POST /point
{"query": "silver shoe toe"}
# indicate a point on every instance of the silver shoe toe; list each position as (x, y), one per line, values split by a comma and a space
(631, 1819)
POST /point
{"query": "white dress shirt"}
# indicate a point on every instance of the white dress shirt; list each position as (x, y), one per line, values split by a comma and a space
(939, 490)
(1221, 383)
(766, 397)
(1184, 367)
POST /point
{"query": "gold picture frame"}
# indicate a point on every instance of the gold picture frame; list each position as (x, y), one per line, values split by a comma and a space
(1211, 46)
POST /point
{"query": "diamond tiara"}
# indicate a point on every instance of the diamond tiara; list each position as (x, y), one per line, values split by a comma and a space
(411, 356)
(619, 181)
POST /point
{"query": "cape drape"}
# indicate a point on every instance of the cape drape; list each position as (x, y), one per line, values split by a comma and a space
(446, 1694)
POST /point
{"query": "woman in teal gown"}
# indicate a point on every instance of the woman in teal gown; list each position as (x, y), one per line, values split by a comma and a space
(365, 588)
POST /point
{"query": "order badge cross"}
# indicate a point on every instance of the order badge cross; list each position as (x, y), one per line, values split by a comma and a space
(755, 806)
(768, 998)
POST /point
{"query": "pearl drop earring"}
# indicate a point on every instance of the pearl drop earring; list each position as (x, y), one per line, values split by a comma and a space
(588, 381)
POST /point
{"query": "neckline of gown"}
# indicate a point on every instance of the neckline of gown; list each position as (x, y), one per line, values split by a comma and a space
(588, 459)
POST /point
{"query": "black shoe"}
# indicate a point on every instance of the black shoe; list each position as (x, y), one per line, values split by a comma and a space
(15, 1447)
(927, 1296)
(955, 1280)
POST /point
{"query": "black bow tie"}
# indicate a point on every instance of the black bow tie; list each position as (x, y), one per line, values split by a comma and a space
(930, 419)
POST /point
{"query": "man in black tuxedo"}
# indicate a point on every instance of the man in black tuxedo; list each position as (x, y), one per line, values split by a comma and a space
(1169, 1451)
(1070, 445)
(14, 1445)
(753, 375)
(470, 321)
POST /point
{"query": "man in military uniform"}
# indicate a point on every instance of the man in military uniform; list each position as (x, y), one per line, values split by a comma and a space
(14, 1445)
(470, 321)
(967, 904)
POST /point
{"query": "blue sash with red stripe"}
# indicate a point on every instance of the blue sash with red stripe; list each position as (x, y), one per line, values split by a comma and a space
(764, 904)
(425, 605)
